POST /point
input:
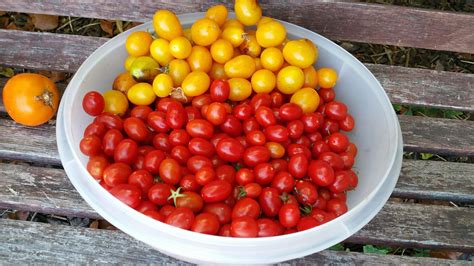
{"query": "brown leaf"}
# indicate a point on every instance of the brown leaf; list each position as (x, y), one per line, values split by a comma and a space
(103, 224)
(54, 76)
(94, 224)
(45, 22)
(2, 13)
(22, 215)
(445, 254)
(11, 26)
(107, 26)
(4, 22)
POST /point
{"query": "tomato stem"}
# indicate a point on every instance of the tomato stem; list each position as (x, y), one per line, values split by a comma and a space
(175, 194)
(46, 97)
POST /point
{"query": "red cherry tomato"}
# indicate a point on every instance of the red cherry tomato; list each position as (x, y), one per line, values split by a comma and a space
(162, 104)
(289, 215)
(216, 191)
(116, 174)
(312, 122)
(347, 124)
(192, 113)
(95, 128)
(255, 138)
(128, 194)
(142, 179)
(200, 146)
(205, 175)
(216, 113)
(277, 99)
(295, 149)
(252, 190)
(276, 133)
(153, 160)
(230, 150)
(176, 116)
(295, 129)
(352, 149)
(298, 166)
(336, 206)
(190, 200)
(181, 217)
(306, 192)
(199, 128)
(219, 90)
(280, 165)
(268, 227)
(341, 182)
(347, 159)
(225, 230)
(290, 112)
(145, 149)
(179, 137)
(206, 223)
(319, 147)
(255, 155)
(231, 126)
(167, 210)
(244, 176)
(126, 151)
(226, 173)
(321, 216)
(265, 116)
(321, 173)
(157, 121)
(170, 171)
(338, 142)
(270, 201)
(320, 203)
(353, 179)
(154, 214)
(244, 227)
(306, 223)
(260, 99)
(159, 193)
(180, 154)
(161, 142)
(110, 121)
(141, 112)
(246, 207)
(146, 206)
(264, 173)
(221, 210)
(91, 145)
(93, 103)
(335, 110)
(327, 95)
(242, 111)
(188, 183)
(303, 140)
(197, 162)
(136, 129)
(283, 182)
(96, 166)
(332, 159)
(250, 124)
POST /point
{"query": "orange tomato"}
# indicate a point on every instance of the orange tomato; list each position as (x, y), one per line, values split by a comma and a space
(30, 99)
(123, 82)
(310, 77)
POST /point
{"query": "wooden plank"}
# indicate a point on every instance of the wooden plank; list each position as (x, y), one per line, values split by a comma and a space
(29, 242)
(403, 85)
(437, 135)
(48, 190)
(351, 21)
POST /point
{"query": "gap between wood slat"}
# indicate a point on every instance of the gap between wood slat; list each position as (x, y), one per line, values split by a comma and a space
(360, 22)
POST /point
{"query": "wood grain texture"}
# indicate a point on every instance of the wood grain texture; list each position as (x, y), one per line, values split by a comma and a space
(437, 135)
(360, 22)
(419, 225)
(403, 85)
(48, 190)
(29, 242)
(44, 190)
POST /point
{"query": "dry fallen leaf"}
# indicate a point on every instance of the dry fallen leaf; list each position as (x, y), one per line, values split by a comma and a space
(4, 22)
(107, 26)
(103, 224)
(2, 13)
(22, 215)
(11, 26)
(445, 254)
(45, 22)
(94, 224)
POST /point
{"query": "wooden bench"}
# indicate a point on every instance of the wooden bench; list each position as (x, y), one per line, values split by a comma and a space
(45, 188)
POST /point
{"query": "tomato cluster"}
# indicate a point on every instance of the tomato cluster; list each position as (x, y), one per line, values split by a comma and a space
(239, 145)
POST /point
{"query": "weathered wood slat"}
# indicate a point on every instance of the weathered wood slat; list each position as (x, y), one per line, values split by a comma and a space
(48, 190)
(30, 242)
(35, 50)
(359, 22)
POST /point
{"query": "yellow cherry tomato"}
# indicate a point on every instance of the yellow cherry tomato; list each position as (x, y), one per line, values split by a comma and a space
(115, 102)
(222, 51)
(217, 71)
(264, 20)
(240, 89)
(187, 34)
(141, 94)
(242, 66)
(178, 69)
(180, 47)
(123, 82)
(301, 53)
(327, 77)
(290, 79)
(200, 59)
(310, 77)
(234, 35)
(250, 46)
(258, 63)
(160, 51)
(233, 23)
(248, 12)
(217, 13)
(128, 62)
(138, 43)
(167, 25)
(272, 59)
(263, 81)
(270, 34)
(162, 85)
(205, 31)
(144, 69)
(196, 83)
(307, 99)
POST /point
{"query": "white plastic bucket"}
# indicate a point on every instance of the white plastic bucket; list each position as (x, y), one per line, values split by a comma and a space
(377, 135)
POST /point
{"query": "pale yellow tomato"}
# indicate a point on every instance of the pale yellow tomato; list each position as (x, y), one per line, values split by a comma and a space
(270, 34)
(200, 59)
(217, 13)
(233, 23)
(307, 99)
(205, 31)
(162, 85)
(272, 59)
(115, 102)
(290, 79)
(258, 63)
(250, 46)
(310, 77)
(196, 83)
(141, 94)
(242, 66)
(167, 25)
(138, 43)
(160, 51)
(178, 69)
(128, 62)
(222, 51)
(217, 71)
(234, 35)
(327, 77)
(263, 81)
(240, 89)
(180, 47)
(264, 20)
(301, 53)
(248, 12)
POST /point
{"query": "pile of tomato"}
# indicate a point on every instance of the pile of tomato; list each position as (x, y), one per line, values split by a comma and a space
(223, 130)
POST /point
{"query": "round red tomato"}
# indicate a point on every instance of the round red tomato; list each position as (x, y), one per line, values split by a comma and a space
(179, 137)
(181, 217)
(306, 192)
(216, 191)
(295, 129)
(332, 159)
(338, 142)
(205, 175)
(96, 166)
(306, 223)
(255, 138)
(268, 227)
(244, 227)
(283, 182)
(216, 113)
(142, 179)
(161, 142)
(321, 173)
(270, 201)
(226, 173)
(246, 207)
(265, 116)
(159, 193)
(126, 151)
(116, 174)
(170, 171)
(290, 112)
(341, 182)
(335, 110)
(90, 145)
(206, 223)
(298, 165)
(264, 173)
(336, 206)
(128, 194)
(93, 103)
(190, 200)
(221, 210)
(231, 126)
(141, 112)
(200, 146)
(230, 150)
(242, 111)
(110, 121)
(289, 215)
(255, 155)
(276, 133)
(219, 90)
(347, 124)
(197, 162)
(252, 190)
(95, 128)
(200, 128)
(136, 129)
(157, 121)
(153, 160)
(250, 124)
